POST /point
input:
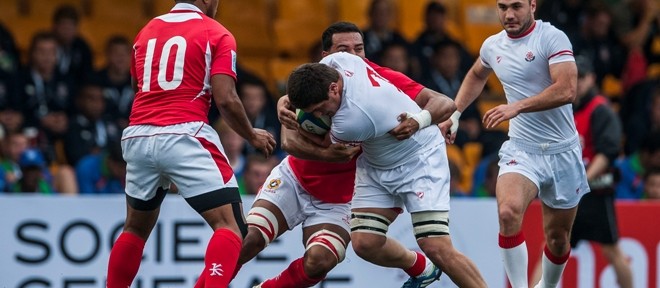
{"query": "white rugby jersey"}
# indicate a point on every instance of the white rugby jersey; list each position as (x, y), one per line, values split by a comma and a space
(369, 109)
(522, 65)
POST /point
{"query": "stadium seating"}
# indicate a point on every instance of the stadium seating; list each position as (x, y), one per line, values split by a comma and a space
(251, 23)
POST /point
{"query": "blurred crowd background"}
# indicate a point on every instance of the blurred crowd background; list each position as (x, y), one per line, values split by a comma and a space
(65, 91)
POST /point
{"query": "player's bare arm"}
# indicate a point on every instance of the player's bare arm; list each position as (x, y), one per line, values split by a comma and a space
(562, 91)
(286, 113)
(304, 147)
(232, 110)
(437, 104)
(471, 88)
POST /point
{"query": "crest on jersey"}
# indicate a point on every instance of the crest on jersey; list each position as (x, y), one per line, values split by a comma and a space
(529, 57)
(273, 184)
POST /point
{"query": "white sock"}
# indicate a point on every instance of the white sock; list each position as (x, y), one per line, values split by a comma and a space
(552, 269)
(515, 259)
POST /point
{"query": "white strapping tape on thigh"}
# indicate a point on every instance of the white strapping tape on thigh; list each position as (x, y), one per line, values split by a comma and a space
(329, 240)
(369, 223)
(430, 224)
(265, 221)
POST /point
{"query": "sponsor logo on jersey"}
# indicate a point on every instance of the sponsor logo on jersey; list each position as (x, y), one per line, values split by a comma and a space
(420, 195)
(529, 57)
(498, 59)
(233, 61)
(513, 162)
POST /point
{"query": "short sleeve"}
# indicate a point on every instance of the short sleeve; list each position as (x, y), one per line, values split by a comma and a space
(557, 47)
(484, 54)
(223, 54)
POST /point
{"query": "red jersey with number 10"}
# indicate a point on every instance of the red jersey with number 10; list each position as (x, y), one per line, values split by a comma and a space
(174, 57)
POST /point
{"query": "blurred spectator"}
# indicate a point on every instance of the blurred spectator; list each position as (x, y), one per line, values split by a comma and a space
(115, 78)
(233, 146)
(10, 59)
(74, 57)
(633, 167)
(435, 31)
(600, 135)
(395, 56)
(597, 41)
(259, 107)
(36, 177)
(13, 147)
(255, 174)
(446, 77)
(638, 25)
(640, 113)
(455, 177)
(652, 184)
(380, 33)
(566, 15)
(102, 173)
(485, 177)
(88, 131)
(45, 94)
(10, 115)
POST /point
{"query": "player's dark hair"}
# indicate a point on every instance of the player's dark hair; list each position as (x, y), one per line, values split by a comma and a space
(337, 27)
(65, 12)
(309, 83)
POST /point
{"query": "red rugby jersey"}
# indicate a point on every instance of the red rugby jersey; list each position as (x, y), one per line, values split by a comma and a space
(334, 182)
(174, 57)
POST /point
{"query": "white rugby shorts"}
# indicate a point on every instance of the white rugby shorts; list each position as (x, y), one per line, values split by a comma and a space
(282, 189)
(555, 168)
(421, 184)
(189, 155)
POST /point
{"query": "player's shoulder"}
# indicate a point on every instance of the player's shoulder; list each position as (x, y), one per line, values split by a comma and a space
(547, 29)
(495, 38)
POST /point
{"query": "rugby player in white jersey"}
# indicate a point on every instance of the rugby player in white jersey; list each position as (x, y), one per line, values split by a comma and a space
(534, 62)
(391, 173)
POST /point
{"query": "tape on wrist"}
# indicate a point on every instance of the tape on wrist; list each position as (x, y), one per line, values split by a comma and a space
(423, 118)
(454, 121)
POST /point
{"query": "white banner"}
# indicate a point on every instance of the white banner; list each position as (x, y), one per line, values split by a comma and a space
(65, 242)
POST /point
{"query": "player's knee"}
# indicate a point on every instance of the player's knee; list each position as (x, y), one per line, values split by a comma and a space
(319, 261)
(558, 242)
(330, 242)
(509, 216)
(265, 222)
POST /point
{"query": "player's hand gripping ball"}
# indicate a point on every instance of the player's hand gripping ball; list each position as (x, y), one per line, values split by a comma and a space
(313, 124)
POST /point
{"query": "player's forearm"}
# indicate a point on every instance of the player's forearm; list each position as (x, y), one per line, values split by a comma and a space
(233, 112)
(299, 146)
(439, 105)
(552, 97)
(470, 89)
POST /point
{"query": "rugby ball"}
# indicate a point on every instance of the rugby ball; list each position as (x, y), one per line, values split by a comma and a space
(313, 124)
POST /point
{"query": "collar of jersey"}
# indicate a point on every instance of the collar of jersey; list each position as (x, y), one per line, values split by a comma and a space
(529, 31)
(185, 7)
